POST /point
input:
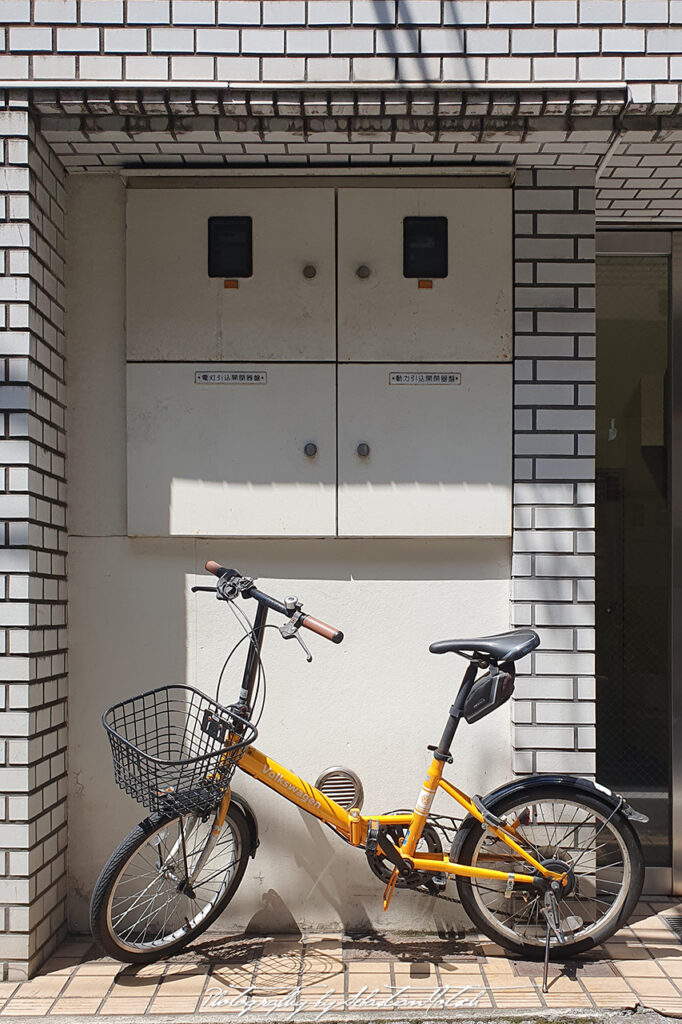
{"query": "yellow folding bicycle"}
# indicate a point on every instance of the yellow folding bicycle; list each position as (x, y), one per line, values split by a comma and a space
(544, 865)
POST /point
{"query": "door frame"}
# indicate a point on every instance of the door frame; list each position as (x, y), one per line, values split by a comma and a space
(666, 243)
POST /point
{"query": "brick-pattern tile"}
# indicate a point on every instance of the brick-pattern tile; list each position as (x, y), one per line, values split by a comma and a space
(561, 40)
(33, 571)
(553, 540)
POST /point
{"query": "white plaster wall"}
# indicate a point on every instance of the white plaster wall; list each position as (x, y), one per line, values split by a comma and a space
(373, 703)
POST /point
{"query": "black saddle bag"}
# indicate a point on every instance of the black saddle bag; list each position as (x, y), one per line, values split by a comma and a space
(489, 692)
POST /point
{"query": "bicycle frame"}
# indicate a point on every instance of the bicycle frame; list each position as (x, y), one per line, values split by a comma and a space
(354, 827)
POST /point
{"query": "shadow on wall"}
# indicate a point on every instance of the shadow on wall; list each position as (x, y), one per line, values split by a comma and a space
(124, 640)
(348, 560)
(135, 625)
(420, 63)
(274, 917)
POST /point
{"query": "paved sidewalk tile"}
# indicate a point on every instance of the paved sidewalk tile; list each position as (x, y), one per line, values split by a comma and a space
(27, 1007)
(42, 986)
(77, 1006)
(174, 1004)
(278, 977)
(125, 1005)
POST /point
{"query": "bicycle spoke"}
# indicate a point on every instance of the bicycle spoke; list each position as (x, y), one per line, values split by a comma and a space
(568, 832)
(512, 917)
(147, 908)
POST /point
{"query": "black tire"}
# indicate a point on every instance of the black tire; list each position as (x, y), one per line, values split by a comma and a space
(113, 876)
(528, 939)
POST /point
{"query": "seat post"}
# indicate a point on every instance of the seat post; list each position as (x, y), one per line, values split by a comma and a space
(442, 752)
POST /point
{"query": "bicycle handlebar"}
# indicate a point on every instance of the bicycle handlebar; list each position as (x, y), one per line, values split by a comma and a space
(307, 621)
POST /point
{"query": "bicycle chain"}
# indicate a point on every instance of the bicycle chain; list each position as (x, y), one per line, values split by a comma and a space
(437, 821)
(438, 896)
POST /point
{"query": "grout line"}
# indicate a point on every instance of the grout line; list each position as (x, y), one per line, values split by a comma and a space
(108, 991)
(488, 986)
(208, 974)
(539, 993)
(299, 975)
(586, 991)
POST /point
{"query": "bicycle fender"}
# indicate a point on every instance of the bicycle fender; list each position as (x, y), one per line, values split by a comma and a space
(616, 801)
(245, 807)
(571, 782)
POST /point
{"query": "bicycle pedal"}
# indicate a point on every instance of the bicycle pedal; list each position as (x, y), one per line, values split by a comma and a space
(390, 888)
(436, 884)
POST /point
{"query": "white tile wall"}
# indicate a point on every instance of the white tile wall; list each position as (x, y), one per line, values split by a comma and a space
(320, 41)
(554, 515)
(562, 40)
(33, 566)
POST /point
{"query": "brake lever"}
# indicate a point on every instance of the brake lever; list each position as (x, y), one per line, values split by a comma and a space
(308, 655)
(291, 627)
(289, 630)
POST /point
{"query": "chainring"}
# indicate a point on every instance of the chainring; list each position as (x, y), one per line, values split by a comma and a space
(429, 842)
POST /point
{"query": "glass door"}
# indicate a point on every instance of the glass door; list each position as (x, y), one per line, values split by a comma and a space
(633, 539)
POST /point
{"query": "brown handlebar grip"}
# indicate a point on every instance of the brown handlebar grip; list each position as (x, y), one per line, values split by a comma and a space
(328, 632)
(220, 570)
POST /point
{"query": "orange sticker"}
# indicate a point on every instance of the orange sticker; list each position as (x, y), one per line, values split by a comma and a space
(231, 284)
(425, 284)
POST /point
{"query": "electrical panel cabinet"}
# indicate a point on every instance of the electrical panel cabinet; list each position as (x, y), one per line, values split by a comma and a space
(425, 450)
(425, 274)
(276, 297)
(257, 408)
(221, 449)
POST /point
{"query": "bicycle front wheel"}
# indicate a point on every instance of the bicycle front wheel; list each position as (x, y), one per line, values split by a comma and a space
(141, 909)
(568, 831)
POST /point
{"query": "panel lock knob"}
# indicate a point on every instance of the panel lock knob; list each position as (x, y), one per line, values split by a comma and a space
(310, 449)
(362, 272)
(309, 271)
(363, 449)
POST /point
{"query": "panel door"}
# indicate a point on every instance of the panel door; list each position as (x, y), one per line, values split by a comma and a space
(439, 460)
(206, 457)
(384, 315)
(284, 310)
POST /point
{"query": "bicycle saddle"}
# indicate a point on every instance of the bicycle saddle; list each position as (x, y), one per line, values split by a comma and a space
(501, 647)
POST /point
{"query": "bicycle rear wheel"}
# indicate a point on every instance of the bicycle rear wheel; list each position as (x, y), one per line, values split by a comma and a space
(140, 911)
(569, 831)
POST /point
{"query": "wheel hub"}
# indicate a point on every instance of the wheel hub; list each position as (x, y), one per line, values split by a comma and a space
(560, 867)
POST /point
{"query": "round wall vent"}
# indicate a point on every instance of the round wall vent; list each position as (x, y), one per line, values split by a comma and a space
(342, 786)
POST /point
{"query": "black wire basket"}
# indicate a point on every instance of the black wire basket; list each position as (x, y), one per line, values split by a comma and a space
(174, 749)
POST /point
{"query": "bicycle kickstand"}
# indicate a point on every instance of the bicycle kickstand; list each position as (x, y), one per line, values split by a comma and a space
(545, 969)
(550, 912)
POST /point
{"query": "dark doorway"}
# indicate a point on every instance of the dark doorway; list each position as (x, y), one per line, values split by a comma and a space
(633, 539)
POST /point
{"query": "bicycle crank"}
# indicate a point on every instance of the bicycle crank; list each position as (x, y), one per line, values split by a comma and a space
(384, 869)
